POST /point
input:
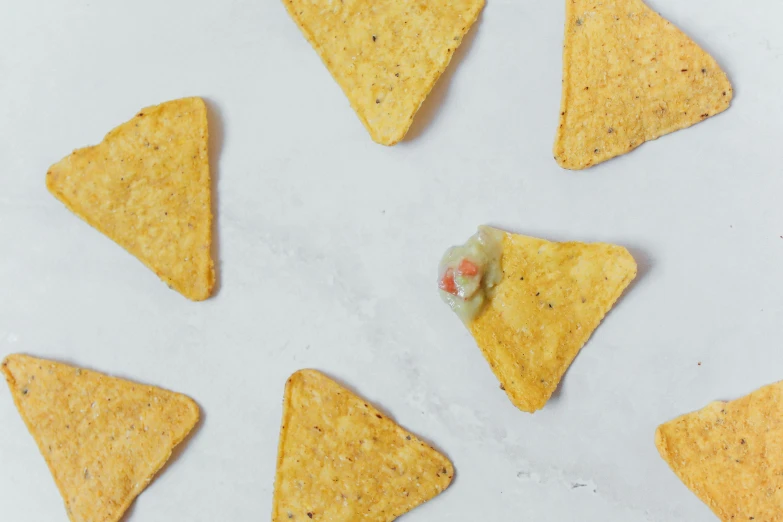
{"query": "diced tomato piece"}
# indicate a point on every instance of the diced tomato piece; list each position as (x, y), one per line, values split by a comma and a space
(468, 268)
(447, 283)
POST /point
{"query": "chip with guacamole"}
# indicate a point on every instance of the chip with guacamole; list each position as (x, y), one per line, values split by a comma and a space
(532, 304)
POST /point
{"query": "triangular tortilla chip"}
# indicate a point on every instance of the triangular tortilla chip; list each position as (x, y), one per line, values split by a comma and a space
(147, 187)
(629, 76)
(385, 54)
(731, 455)
(103, 438)
(341, 459)
(550, 300)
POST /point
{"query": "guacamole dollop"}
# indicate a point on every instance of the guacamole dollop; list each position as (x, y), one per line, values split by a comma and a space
(468, 273)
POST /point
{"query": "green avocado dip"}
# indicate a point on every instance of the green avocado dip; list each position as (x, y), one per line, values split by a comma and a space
(468, 272)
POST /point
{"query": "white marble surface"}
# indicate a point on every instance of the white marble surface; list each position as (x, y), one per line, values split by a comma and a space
(329, 244)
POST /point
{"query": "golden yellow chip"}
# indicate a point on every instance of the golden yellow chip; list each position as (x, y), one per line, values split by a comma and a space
(730, 454)
(147, 187)
(385, 54)
(551, 298)
(629, 76)
(341, 459)
(103, 438)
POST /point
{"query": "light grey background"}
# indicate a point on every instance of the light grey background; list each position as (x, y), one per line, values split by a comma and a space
(329, 245)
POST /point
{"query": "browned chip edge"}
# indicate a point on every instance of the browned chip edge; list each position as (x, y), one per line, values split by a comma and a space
(519, 400)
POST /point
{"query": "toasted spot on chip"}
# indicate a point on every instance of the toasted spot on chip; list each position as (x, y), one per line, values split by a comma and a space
(629, 76)
(342, 459)
(730, 454)
(550, 300)
(386, 55)
(147, 187)
(103, 438)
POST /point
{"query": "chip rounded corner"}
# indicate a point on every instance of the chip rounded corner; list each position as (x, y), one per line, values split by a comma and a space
(204, 292)
(301, 375)
(660, 440)
(628, 261)
(194, 408)
(7, 359)
(51, 179)
(567, 163)
(451, 472)
(386, 141)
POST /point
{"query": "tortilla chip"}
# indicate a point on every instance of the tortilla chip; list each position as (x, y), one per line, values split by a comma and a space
(629, 76)
(103, 438)
(341, 459)
(385, 54)
(147, 187)
(731, 455)
(550, 300)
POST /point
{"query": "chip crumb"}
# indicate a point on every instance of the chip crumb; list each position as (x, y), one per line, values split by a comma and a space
(530, 343)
